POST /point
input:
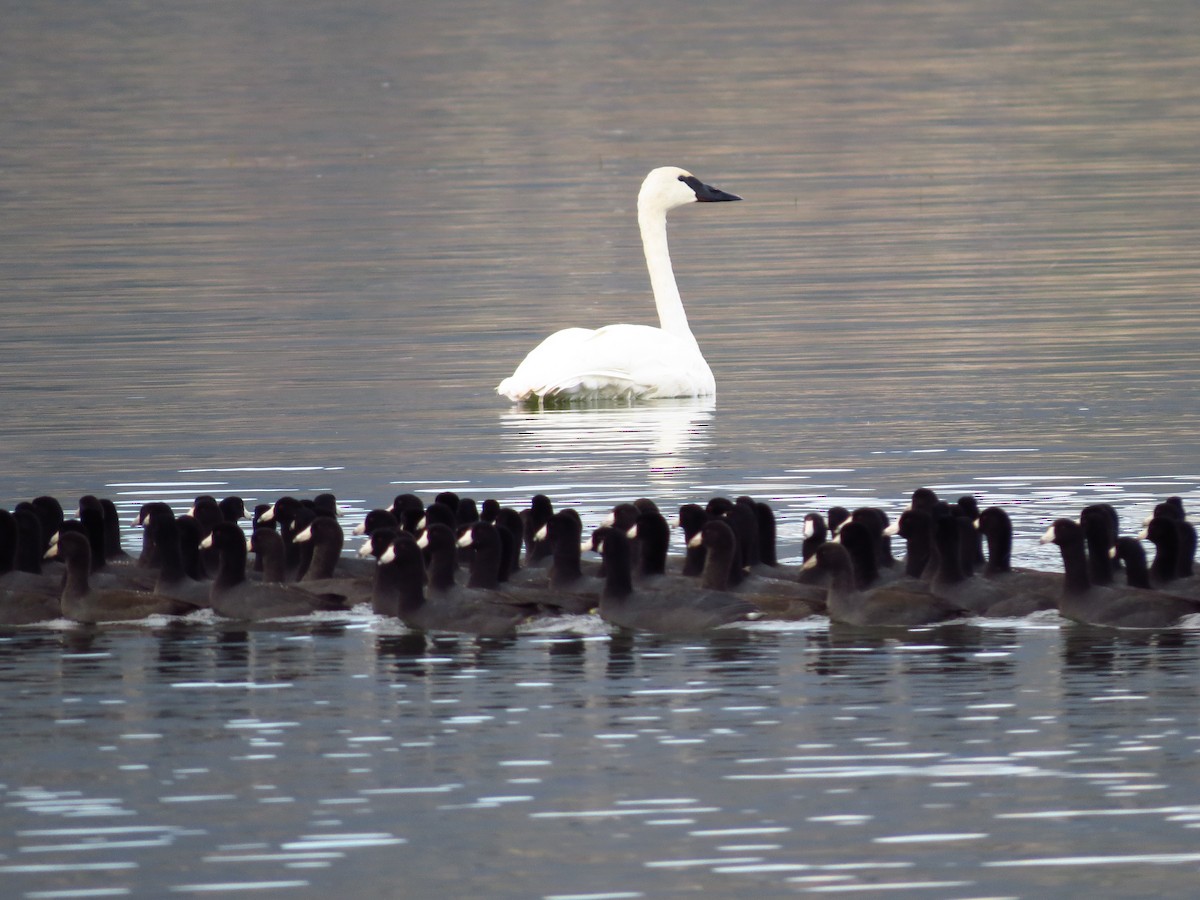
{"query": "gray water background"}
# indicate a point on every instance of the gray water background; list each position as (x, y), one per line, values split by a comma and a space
(289, 247)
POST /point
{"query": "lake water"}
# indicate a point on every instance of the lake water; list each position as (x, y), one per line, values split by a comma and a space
(291, 247)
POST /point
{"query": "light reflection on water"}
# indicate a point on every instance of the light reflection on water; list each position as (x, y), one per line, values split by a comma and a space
(661, 439)
(286, 757)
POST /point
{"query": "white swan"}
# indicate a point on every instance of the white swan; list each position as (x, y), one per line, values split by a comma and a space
(628, 362)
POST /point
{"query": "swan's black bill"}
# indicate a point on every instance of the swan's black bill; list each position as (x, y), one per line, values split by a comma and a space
(706, 193)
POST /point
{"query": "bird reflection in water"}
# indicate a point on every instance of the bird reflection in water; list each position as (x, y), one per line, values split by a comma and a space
(659, 438)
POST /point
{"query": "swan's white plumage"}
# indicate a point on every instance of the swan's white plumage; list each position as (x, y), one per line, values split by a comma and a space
(616, 362)
(628, 362)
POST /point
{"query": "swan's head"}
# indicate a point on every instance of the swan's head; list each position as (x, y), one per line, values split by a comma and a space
(670, 187)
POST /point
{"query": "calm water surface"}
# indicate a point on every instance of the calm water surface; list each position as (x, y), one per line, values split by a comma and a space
(291, 247)
(1020, 759)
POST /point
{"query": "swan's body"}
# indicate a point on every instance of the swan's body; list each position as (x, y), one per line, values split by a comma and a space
(628, 362)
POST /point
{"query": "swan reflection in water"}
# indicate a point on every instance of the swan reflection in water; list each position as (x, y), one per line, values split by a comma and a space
(657, 439)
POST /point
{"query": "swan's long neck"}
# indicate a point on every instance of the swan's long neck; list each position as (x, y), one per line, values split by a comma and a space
(671, 317)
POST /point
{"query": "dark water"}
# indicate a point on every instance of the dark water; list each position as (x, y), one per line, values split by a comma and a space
(290, 247)
(1015, 760)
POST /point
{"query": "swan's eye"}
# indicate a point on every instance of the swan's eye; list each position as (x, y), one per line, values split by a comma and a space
(691, 181)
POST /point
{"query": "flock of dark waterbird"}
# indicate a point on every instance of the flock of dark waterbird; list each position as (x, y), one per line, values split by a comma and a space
(457, 566)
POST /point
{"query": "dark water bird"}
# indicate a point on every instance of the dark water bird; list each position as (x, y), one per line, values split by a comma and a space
(753, 524)
(411, 519)
(460, 612)
(537, 553)
(723, 572)
(650, 542)
(692, 517)
(121, 574)
(328, 571)
(385, 589)
(646, 505)
(953, 582)
(148, 557)
(624, 517)
(742, 517)
(876, 523)
(860, 538)
(915, 525)
(234, 597)
(579, 591)
(174, 579)
(670, 610)
(1187, 549)
(437, 513)
(889, 605)
(510, 553)
(717, 506)
(1100, 529)
(263, 516)
(815, 534)
(300, 518)
(448, 499)
(25, 597)
(923, 498)
(256, 522)
(440, 544)
(467, 512)
(326, 504)
(189, 547)
(233, 508)
(406, 503)
(1168, 535)
(325, 535)
(1132, 554)
(487, 567)
(835, 516)
(50, 512)
(487, 563)
(90, 520)
(376, 518)
(1108, 605)
(860, 541)
(996, 527)
(27, 553)
(113, 553)
(484, 575)
(270, 555)
(966, 508)
(489, 509)
(284, 513)
(81, 602)
(1171, 508)
(207, 513)
(768, 550)
(1111, 561)
(510, 529)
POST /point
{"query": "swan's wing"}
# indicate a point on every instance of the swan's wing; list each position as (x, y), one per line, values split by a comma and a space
(538, 366)
(617, 361)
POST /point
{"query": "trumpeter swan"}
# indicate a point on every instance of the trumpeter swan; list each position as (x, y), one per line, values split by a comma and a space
(628, 362)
